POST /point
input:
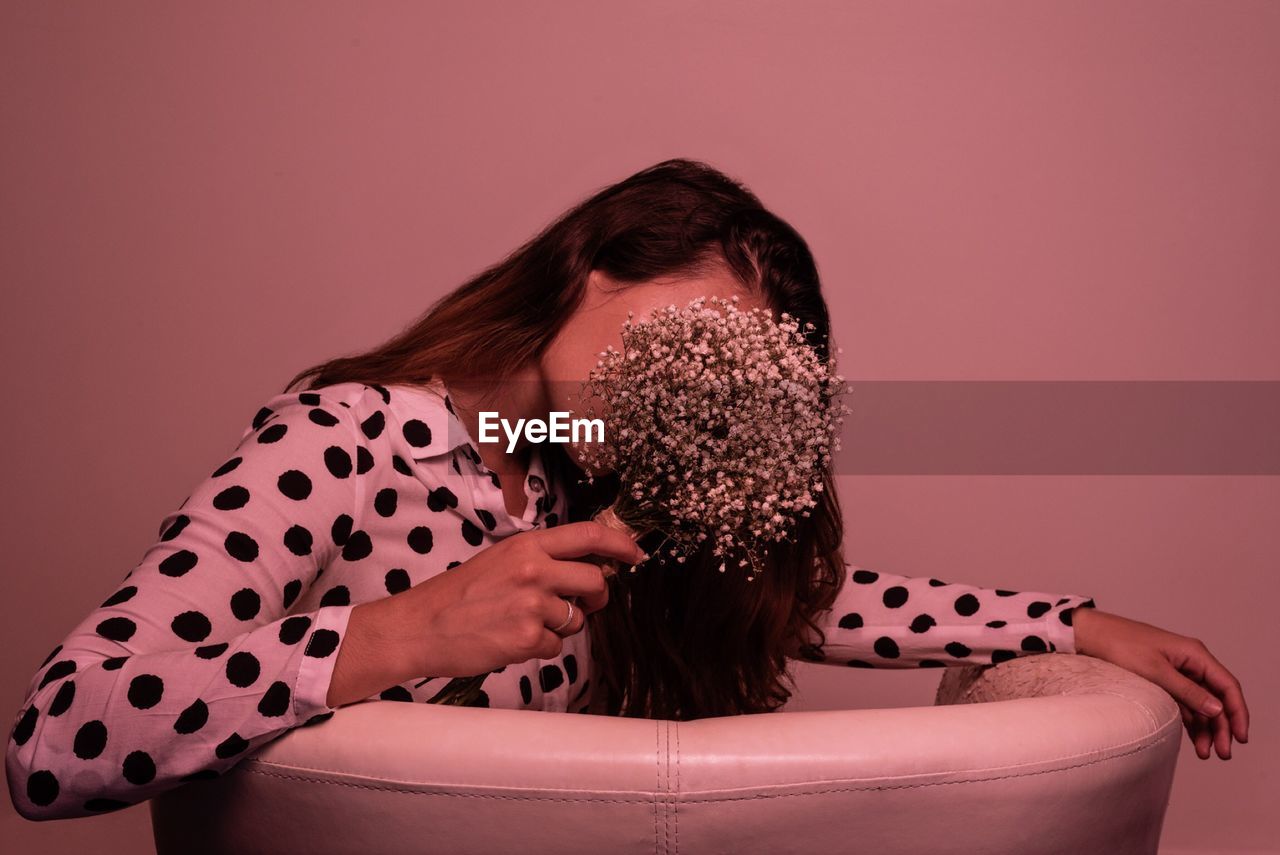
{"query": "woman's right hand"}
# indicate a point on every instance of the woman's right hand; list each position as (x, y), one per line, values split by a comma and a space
(494, 609)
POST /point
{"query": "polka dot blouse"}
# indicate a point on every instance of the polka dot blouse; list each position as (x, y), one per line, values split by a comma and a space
(224, 636)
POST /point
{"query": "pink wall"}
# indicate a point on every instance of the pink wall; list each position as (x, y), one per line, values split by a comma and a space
(199, 200)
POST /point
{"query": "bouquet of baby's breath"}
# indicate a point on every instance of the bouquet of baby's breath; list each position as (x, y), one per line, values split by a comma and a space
(719, 424)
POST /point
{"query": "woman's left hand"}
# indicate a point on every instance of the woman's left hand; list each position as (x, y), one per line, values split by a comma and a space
(1210, 697)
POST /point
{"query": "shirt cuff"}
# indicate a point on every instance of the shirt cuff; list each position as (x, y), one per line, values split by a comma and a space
(1061, 629)
(319, 655)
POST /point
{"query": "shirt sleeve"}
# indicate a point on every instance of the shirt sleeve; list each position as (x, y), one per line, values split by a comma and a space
(195, 660)
(881, 620)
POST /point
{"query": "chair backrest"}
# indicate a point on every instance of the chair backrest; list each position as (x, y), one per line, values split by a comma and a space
(1048, 753)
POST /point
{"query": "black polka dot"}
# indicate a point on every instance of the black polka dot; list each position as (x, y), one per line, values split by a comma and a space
(310, 399)
(966, 604)
(90, 739)
(421, 540)
(995, 624)
(105, 805)
(179, 563)
(337, 461)
(123, 595)
(341, 529)
(272, 434)
(398, 464)
(230, 466)
(193, 717)
(895, 597)
(571, 667)
(471, 533)
(243, 669)
(241, 546)
(931, 663)
(1038, 608)
(176, 527)
(245, 604)
(231, 746)
(998, 656)
(486, 519)
(292, 589)
(859, 663)
(145, 691)
(57, 671)
(416, 433)
(298, 540)
(139, 768)
(191, 626)
(293, 629)
(396, 580)
(937, 583)
(1034, 644)
(373, 426)
(212, 651)
(357, 547)
(62, 700)
(958, 650)
(385, 502)
(117, 629)
(42, 788)
(323, 642)
(452, 564)
(526, 690)
(853, 620)
(318, 719)
(396, 693)
(1066, 616)
(294, 484)
(865, 577)
(1001, 592)
(550, 677)
(231, 499)
(275, 701)
(115, 663)
(338, 595)
(922, 623)
(324, 418)
(26, 726)
(440, 498)
(886, 647)
(364, 460)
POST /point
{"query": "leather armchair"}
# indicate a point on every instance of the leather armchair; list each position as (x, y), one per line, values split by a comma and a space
(1050, 753)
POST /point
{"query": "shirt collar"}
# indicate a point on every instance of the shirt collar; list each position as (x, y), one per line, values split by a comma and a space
(431, 426)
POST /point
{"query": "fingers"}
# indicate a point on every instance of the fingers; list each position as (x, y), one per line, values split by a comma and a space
(1197, 730)
(557, 609)
(578, 579)
(1221, 736)
(1186, 691)
(1224, 683)
(579, 539)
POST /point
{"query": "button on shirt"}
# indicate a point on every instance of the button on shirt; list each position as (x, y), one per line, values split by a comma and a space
(225, 635)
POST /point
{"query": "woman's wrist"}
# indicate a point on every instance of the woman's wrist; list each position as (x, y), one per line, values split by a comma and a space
(376, 653)
(1084, 625)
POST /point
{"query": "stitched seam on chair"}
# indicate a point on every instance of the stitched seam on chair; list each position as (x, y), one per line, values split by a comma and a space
(258, 762)
(1138, 750)
(1155, 723)
(657, 771)
(675, 802)
(666, 809)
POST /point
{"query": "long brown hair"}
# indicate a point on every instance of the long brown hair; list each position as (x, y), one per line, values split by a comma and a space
(678, 641)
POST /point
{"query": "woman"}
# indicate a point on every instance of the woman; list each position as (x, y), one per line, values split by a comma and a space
(359, 543)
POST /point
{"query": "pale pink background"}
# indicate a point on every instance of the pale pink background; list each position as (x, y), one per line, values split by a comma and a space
(198, 200)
